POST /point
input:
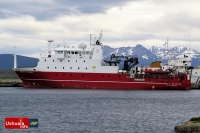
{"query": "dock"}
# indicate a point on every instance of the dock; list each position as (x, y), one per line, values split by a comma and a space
(11, 83)
(8, 78)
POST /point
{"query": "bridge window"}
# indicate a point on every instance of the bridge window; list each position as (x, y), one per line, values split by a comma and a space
(76, 52)
(59, 52)
(72, 52)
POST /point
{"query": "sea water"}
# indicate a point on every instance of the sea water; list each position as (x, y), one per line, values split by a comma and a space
(99, 111)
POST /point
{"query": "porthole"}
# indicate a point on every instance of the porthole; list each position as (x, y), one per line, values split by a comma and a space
(63, 67)
(70, 67)
(53, 60)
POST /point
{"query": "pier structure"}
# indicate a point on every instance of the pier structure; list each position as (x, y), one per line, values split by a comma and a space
(8, 78)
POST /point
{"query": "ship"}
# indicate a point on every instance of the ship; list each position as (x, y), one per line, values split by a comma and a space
(82, 66)
(180, 64)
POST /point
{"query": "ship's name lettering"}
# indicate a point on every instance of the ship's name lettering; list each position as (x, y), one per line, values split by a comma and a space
(27, 71)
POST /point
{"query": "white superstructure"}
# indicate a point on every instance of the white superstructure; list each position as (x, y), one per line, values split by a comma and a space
(74, 58)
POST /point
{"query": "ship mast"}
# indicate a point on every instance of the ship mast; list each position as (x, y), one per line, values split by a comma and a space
(49, 47)
(166, 44)
(91, 38)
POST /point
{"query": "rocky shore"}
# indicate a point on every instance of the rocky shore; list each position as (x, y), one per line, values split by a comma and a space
(192, 126)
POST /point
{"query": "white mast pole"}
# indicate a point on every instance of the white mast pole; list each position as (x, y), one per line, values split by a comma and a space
(49, 47)
(15, 59)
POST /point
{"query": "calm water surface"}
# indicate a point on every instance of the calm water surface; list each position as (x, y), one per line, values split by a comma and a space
(99, 111)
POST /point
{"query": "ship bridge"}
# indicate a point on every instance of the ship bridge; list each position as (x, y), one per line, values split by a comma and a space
(73, 52)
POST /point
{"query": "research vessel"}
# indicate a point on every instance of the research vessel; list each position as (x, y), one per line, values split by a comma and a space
(83, 67)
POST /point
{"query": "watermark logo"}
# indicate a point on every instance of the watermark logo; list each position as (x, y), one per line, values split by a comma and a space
(33, 123)
(16, 123)
(20, 123)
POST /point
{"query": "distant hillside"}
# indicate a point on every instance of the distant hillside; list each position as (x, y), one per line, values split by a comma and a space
(7, 61)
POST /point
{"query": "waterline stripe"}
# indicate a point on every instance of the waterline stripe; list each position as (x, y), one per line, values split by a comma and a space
(142, 82)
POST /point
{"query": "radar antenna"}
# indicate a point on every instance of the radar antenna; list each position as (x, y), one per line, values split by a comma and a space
(100, 36)
(49, 47)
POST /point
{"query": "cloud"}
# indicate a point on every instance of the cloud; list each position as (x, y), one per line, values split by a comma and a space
(124, 23)
(48, 10)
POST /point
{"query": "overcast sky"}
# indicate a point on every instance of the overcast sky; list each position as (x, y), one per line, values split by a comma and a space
(27, 24)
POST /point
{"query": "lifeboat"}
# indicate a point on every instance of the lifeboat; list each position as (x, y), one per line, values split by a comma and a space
(155, 70)
(147, 69)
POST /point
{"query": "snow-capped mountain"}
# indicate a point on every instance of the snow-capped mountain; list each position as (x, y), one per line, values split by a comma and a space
(175, 52)
(146, 56)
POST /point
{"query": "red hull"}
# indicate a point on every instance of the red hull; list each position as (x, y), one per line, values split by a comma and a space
(119, 81)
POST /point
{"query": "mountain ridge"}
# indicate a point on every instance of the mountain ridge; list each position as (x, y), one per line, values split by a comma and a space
(144, 55)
